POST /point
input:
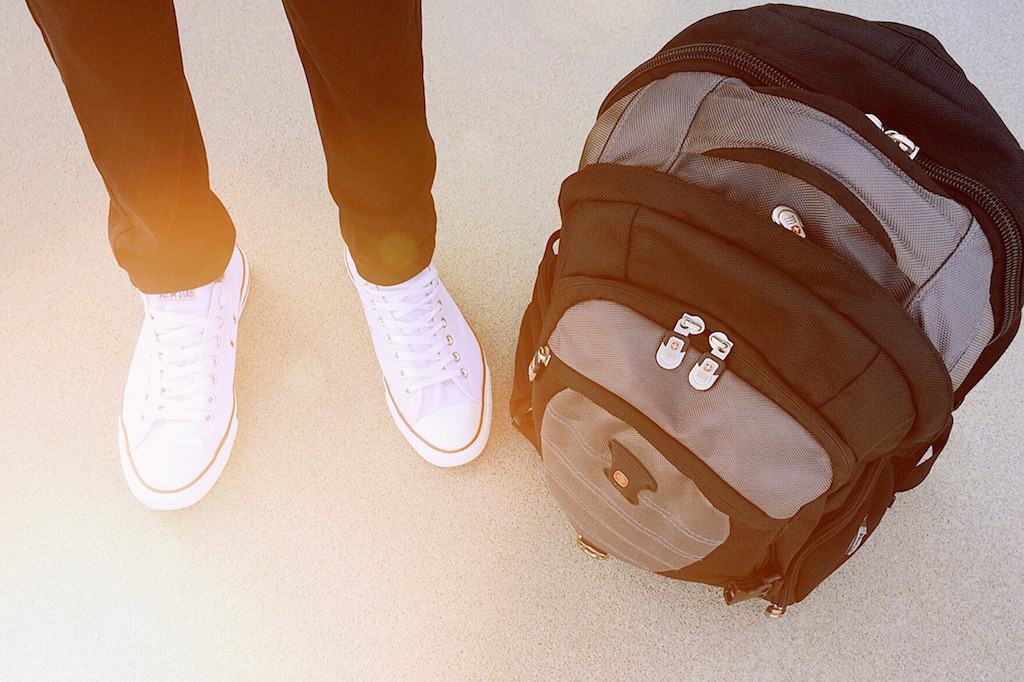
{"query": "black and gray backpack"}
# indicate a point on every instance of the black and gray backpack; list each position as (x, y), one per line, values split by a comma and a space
(792, 248)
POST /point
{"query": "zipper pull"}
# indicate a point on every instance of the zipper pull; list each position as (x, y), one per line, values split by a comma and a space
(540, 359)
(789, 219)
(711, 365)
(674, 343)
(901, 140)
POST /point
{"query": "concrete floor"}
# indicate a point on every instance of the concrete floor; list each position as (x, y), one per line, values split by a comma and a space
(328, 549)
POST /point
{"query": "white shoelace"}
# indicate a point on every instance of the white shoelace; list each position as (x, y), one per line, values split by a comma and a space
(411, 318)
(183, 366)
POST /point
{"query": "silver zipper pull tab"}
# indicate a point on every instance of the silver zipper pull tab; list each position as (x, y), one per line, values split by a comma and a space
(905, 143)
(540, 359)
(902, 141)
(674, 343)
(712, 364)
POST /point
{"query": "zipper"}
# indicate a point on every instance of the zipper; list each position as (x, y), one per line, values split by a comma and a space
(1004, 221)
(741, 60)
(722, 347)
(766, 74)
(851, 511)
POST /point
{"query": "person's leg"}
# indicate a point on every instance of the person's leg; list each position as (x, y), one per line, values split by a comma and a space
(364, 65)
(121, 64)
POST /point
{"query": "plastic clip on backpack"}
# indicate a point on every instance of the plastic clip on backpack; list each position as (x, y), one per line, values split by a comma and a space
(792, 248)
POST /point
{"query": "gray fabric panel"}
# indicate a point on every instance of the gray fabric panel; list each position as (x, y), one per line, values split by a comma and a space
(602, 130)
(669, 528)
(924, 227)
(954, 307)
(761, 189)
(651, 130)
(966, 362)
(749, 441)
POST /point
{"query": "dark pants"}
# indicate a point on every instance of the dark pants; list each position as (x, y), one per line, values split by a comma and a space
(121, 64)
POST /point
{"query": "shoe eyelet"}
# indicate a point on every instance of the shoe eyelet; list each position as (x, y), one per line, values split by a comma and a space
(211, 398)
(208, 418)
(408, 390)
(395, 355)
(220, 322)
(232, 342)
(463, 373)
(402, 373)
(216, 361)
(449, 340)
(219, 340)
(234, 318)
(439, 304)
(380, 321)
(142, 417)
(213, 379)
(456, 357)
(444, 323)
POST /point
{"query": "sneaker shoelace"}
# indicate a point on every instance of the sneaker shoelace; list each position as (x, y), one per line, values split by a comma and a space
(411, 318)
(184, 366)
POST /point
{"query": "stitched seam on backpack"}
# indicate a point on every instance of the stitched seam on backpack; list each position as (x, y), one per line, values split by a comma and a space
(693, 119)
(854, 379)
(595, 455)
(664, 542)
(629, 242)
(623, 117)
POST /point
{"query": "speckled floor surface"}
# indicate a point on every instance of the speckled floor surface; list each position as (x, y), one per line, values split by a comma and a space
(328, 550)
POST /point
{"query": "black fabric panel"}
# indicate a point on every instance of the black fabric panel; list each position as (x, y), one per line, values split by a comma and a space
(598, 243)
(814, 349)
(863, 411)
(836, 535)
(846, 288)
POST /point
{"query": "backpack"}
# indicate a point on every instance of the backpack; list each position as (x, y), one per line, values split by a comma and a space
(792, 248)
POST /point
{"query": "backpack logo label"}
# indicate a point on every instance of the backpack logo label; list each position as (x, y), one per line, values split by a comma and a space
(858, 539)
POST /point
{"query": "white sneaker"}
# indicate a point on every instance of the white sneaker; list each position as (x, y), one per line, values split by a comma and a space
(436, 381)
(178, 419)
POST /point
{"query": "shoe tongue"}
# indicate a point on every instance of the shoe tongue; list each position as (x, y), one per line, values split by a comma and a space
(412, 289)
(186, 301)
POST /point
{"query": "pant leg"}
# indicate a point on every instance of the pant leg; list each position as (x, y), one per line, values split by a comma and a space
(121, 64)
(364, 64)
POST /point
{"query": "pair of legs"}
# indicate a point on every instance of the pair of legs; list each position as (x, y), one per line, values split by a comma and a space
(121, 63)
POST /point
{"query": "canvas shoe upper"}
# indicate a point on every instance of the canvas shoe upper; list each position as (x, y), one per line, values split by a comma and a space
(436, 379)
(179, 416)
